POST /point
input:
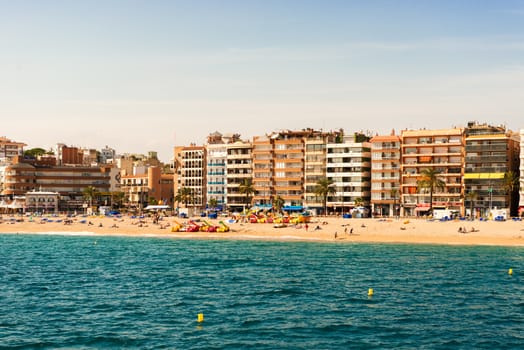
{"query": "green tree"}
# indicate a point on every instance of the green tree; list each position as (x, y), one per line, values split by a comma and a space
(34, 152)
(394, 195)
(430, 181)
(471, 196)
(91, 193)
(246, 188)
(323, 189)
(213, 203)
(278, 203)
(509, 185)
(184, 195)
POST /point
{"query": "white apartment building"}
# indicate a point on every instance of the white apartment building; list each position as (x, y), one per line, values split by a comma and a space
(239, 166)
(216, 170)
(349, 167)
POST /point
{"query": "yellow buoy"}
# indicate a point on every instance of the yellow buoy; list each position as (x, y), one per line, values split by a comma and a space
(510, 271)
(370, 292)
(200, 317)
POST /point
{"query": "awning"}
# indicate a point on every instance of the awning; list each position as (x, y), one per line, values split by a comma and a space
(157, 207)
(421, 208)
(293, 208)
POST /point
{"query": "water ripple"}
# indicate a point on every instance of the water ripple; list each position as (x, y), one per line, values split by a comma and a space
(62, 292)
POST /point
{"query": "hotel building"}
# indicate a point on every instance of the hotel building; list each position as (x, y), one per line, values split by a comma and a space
(69, 181)
(349, 167)
(385, 175)
(491, 152)
(442, 150)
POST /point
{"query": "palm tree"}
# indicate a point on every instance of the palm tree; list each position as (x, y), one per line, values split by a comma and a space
(184, 195)
(247, 188)
(471, 196)
(324, 188)
(278, 203)
(118, 198)
(430, 180)
(90, 193)
(394, 194)
(359, 202)
(509, 184)
(213, 203)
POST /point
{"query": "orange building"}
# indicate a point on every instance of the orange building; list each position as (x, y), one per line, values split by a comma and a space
(152, 187)
(442, 150)
(10, 149)
(385, 175)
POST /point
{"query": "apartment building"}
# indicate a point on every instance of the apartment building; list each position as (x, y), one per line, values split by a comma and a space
(385, 175)
(190, 169)
(491, 152)
(239, 167)
(149, 187)
(521, 194)
(10, 149)
(216, 169)
(315, 165)
(442, 150)
(263, 171)
(349, 167)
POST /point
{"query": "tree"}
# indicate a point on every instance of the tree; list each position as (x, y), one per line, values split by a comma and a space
(246, 188)
(91, 193)
(278, 203)
(184, 195)
(394, 194)
(213, 203)
(471, 196)
(117, 198)
(323, 189)
(430, 180)
(34, 152)
(359, 202)
(509, 184)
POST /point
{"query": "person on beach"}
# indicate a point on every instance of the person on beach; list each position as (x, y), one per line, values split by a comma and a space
(335, 234)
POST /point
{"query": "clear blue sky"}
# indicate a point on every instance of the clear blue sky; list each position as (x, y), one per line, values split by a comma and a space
(146, 75)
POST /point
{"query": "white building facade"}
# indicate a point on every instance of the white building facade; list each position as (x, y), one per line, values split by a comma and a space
(349, 167)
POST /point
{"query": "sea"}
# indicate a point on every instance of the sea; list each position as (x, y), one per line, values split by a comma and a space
(90, 292)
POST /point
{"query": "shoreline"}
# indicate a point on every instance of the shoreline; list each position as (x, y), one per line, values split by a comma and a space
(320, 229)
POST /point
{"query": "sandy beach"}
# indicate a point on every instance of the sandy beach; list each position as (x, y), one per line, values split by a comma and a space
(330, 229)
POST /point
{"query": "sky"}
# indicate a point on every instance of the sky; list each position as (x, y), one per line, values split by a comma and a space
(143, 76)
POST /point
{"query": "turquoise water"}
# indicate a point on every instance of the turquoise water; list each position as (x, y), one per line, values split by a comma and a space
(63, 292)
